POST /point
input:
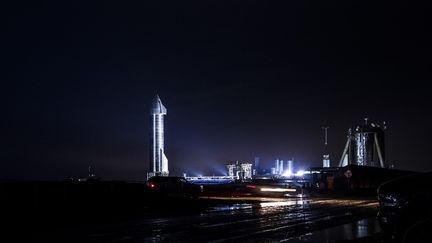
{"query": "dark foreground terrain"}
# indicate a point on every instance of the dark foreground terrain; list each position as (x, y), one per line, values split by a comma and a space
(119, 213)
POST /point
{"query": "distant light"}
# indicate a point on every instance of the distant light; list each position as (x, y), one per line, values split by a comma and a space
(287, 173)
(300, 173)
(251, 186)
(278, 190)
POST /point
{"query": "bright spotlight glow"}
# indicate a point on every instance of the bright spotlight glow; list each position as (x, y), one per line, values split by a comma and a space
(278, 190)
(287, 173)
(300, 173)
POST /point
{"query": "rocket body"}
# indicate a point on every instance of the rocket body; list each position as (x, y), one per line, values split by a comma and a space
(158, 160)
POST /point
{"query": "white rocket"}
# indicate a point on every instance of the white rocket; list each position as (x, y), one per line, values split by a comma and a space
(158, 160)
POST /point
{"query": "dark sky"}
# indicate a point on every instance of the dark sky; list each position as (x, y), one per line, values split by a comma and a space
(239, 79)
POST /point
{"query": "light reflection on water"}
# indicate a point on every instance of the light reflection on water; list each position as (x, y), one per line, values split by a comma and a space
(350, 231)
(280, 203)
(231, 207)
(365, 227)
(243, 206)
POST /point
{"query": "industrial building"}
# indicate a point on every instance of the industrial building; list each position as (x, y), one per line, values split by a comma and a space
(362, 167)
(281, 169)
(240, 171)
(158, 160)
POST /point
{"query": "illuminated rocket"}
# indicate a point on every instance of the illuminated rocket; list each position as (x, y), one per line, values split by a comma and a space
(158, 160)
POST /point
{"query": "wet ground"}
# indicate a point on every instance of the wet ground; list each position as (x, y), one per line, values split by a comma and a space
(296, 219)
(365, 230)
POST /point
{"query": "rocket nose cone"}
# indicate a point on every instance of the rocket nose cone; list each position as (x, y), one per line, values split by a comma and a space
(157, 106)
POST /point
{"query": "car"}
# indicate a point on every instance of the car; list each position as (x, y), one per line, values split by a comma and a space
(174, 186)
(405, 208)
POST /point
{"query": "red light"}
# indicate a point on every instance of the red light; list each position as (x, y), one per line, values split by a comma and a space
(250, 186)
(152, 185)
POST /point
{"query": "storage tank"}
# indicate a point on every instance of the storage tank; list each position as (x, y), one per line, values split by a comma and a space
(365, 146)
(281, 167)
(290, 165)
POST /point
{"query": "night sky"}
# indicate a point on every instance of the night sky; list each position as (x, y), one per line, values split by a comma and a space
(239, 79)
